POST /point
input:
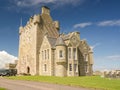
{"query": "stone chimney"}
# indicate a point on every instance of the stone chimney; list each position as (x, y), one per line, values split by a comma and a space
(45, 10)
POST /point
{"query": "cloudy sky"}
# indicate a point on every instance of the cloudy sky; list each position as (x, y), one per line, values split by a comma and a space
(98, 21)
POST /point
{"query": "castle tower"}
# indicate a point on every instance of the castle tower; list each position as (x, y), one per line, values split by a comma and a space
(30, 40)
(61, 56)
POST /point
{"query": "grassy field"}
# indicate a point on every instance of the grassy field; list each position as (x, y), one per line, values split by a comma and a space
(88, 82)
(2, 88)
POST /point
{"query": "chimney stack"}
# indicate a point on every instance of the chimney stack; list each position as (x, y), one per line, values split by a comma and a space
(45, 10)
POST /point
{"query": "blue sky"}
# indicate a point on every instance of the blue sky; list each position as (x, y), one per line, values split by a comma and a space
(98, 21)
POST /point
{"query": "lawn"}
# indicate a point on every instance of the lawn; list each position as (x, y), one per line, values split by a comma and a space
(2, 88)
(95, 82)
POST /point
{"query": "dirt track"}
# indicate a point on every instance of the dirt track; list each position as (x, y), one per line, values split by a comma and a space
(30, 85)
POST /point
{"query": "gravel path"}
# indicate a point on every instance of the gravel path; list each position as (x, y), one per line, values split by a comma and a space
(31, 85)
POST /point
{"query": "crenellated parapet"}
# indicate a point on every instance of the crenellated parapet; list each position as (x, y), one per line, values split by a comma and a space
(44, 21)
(36, 19)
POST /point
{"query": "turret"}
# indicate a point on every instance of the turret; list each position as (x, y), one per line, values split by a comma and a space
(60, 57)
(61, 50)
(90, 57)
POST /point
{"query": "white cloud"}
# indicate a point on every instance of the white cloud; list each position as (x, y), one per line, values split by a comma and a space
(82, 25)
(109, 23)
(113, 57)
(6, 58)
(100, 23)
(29, 3)
(32, 6)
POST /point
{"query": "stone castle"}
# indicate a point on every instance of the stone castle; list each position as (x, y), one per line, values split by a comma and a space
(43, 51)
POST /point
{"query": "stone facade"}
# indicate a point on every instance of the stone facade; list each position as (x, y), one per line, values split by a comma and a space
(43, 51)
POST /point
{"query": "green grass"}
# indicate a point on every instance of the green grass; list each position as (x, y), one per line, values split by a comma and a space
(2, 88)
(95, 82)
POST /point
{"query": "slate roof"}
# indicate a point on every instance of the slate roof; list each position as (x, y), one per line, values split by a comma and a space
(60, 41)
(52, 41)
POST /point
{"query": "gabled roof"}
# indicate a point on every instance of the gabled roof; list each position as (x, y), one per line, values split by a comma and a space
(60, 41)
(52, 41)
(68, 36)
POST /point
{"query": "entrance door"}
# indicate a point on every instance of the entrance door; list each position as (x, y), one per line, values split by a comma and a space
(28, 70)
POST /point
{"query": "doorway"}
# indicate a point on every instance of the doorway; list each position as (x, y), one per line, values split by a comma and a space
(28, 70)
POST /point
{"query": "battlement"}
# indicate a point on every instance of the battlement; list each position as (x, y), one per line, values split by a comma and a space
(36, 19)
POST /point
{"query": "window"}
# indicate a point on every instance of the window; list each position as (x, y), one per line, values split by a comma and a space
(45, 67)
(69, 53)
(70, 67)
(75, 67)
(60, 53)
(48, 53)
(74, 53)
(45, 54)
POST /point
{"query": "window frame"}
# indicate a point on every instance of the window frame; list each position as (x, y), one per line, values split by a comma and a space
(60, 53)
(70, 67)
(74, 53)
(45, 54)
(75, 67)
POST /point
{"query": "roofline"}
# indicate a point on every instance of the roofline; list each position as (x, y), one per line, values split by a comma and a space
(46, 7)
